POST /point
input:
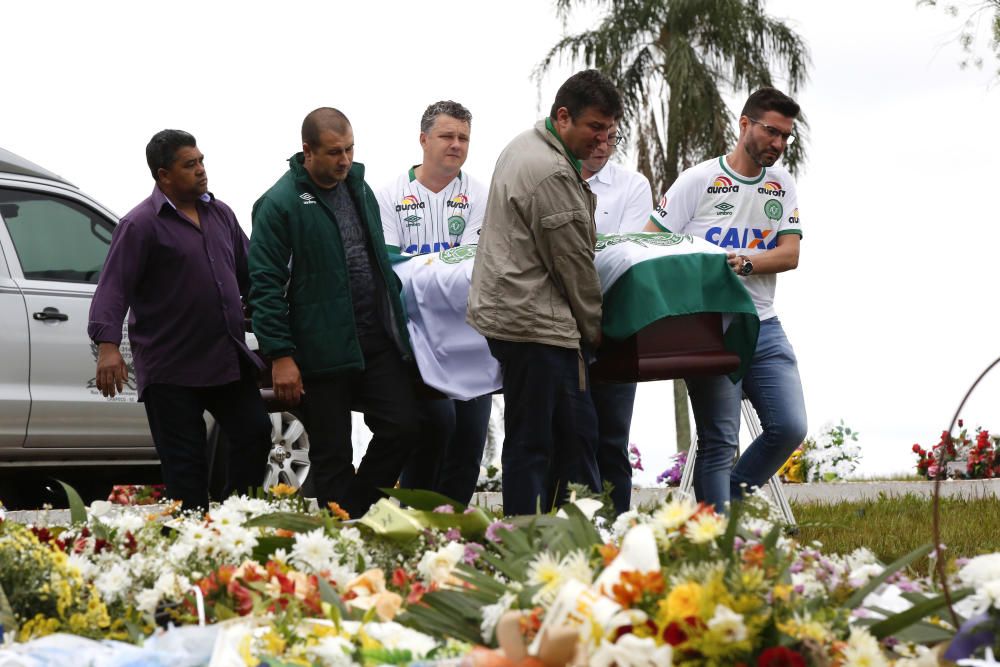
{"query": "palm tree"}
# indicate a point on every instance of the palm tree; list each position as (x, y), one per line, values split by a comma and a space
(673, 60)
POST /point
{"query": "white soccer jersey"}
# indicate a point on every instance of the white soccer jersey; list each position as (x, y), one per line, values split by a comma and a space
(742, 215)
(418, 221)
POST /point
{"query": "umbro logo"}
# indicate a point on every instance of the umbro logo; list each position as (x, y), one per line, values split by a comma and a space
(724, 208)
(307, 198)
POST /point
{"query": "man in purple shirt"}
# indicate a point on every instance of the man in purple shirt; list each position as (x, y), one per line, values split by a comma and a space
(178, 260)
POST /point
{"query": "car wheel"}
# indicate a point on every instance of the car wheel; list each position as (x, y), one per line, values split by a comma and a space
(288, 460)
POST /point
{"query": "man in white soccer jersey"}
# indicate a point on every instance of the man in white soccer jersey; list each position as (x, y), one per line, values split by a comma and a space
(624, 200)
(744, 203)
(431, 207)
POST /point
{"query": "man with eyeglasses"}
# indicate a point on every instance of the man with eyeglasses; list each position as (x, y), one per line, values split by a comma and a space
(624, 200)
(746, 204)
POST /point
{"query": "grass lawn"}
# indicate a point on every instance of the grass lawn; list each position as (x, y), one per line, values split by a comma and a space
(893, 526)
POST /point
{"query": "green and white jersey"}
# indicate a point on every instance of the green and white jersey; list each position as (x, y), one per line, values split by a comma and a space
(738, 214)
(418, 221)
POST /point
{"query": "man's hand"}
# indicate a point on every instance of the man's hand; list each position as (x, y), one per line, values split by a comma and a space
(735, 262)
(286, 380)
(112, 373)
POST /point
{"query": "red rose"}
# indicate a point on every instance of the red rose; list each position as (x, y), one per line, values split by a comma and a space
(780, 656)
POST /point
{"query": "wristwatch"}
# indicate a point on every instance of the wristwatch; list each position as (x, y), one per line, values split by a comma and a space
(746, 268)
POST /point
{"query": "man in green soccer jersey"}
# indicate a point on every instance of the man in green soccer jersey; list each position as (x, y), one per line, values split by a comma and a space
(433, 206)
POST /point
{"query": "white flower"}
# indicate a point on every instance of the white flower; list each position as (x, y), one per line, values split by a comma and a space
(981, 570)
(332, 652)
(392, 635)
(236, 541)
(313, 551)
(575, 566)
(588, 506)
(863, 650)
(674, 513)
(727, 624)
(125, 522)
(436, 566)
(632, 651)
(280, 555)
(351, 534)
(545, 571)
(99, 508)
(705, 527)
(146, 601)
(83, 565)
(112, 582)
(491, 614)
(861, 575)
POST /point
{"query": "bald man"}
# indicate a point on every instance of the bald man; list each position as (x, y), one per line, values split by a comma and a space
(327, 313)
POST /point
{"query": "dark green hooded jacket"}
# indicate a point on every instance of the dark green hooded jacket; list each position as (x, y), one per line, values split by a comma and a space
(299, 291)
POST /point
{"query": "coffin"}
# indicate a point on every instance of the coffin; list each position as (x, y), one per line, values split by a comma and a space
(671, 347)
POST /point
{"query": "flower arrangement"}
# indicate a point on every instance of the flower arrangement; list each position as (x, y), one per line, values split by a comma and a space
(136, 494)
(961, 457)
(672, 584)
(831, 457)
(635, 457)
(675, 470)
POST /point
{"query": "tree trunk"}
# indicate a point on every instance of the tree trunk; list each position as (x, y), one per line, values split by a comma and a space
(681, 420)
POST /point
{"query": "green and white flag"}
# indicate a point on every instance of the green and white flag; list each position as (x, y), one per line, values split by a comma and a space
(644, 277)
(649, 276)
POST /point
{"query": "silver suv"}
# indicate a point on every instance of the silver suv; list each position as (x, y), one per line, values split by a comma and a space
(53, 242)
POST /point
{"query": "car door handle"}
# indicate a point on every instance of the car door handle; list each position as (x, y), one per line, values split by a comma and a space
(50, 313)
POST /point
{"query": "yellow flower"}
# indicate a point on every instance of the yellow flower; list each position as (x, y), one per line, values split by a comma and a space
(283, 490)
(783, 592)
(683, 601)
(674, 513)
(705, 527)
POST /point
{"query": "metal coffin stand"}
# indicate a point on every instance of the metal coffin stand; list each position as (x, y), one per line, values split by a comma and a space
(679, 347)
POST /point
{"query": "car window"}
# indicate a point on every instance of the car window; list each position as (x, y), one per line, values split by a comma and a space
(55, 238)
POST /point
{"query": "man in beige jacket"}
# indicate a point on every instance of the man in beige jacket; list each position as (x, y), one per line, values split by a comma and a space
(536, 296)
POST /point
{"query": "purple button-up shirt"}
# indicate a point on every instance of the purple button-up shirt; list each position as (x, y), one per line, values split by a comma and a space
(183, 285)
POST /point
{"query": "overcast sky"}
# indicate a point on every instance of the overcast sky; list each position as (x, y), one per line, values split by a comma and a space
(892, 312)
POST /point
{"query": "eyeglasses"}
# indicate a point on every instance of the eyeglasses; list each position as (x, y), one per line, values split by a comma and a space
(774, 132)
(616, 139)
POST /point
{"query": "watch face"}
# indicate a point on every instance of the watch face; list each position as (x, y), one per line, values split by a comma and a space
(747, 267)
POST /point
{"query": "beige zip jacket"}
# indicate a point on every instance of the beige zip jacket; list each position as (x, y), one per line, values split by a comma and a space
(534, 278)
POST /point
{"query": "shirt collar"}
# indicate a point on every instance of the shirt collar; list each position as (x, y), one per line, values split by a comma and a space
(572, 158)
(160, 199)
(605, 175)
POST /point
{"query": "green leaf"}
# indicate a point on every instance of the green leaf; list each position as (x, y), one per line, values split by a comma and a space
(77, 510)
(329, 595)
(420, 499)
(905, 619)
(293, 521)
(859, 595)
(267, 545)
(472, 525)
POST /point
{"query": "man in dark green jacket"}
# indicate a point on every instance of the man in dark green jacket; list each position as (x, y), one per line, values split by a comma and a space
(327, 313)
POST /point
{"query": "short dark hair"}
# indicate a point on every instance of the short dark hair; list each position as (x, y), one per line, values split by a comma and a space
(161, 151)
(321, 120)
(769, 99)
(446, 107)
(588, 88)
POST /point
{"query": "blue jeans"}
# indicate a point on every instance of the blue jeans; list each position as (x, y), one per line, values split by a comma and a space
(773, 386)
(549, 422)
(613, 403)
